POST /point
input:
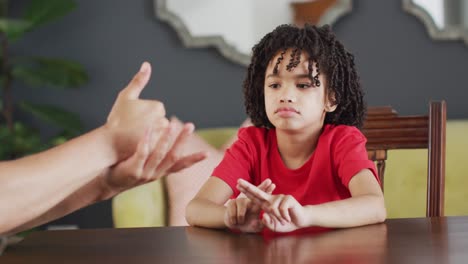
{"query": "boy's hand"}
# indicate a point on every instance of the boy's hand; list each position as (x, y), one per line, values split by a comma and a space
(283, 213)
(130, 116)
(243, 215)
(145, 165)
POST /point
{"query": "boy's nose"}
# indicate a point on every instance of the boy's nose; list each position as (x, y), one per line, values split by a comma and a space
(287, 100)
(288, 96)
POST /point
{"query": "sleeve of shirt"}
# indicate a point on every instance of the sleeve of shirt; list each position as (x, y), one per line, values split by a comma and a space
(237, 161)
(351, 156)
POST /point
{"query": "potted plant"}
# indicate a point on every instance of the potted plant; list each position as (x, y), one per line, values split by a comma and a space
(16, 137)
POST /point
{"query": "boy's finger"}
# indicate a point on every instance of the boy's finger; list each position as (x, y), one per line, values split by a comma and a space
(232, 211)
(138, 83)
(271, 188)
(251, 196)
(268, 221)
(253, 190)
(284, 209)
(241, 210)
(273, 208)
(265, 184)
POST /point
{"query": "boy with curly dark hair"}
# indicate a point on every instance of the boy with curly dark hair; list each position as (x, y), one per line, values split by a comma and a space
(304, 162)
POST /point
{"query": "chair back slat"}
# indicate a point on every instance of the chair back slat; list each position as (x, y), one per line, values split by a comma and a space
(386, 130)
(436, 158)
(386, 122)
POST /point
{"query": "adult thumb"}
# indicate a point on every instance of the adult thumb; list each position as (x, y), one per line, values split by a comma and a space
(139, 81)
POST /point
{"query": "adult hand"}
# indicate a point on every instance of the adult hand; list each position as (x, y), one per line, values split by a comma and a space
(243, 215)
(130, 116)
(145, 165)
(283, 213)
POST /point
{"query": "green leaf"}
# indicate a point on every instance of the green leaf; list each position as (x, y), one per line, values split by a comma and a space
(26, 140)
(55, 115)
(3, 8)
(14, 28)
(22, 141)
(40, 12)
(62, 137)
(57, 73)
(6, 143)
(57, 140)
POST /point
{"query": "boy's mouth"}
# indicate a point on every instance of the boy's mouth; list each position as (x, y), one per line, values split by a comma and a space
(287, 109)
(286, 112)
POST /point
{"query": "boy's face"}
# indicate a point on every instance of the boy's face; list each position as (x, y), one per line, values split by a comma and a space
(291, 100)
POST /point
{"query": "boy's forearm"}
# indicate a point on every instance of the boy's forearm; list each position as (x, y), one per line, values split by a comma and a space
(351, 212)
(205, 213)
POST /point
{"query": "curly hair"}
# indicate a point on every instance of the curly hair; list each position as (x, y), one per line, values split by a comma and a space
(330, 57)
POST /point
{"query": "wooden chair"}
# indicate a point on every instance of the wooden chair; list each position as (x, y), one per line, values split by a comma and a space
(386, 130)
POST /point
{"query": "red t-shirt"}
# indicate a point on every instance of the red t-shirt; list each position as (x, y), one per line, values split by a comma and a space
(339, 155)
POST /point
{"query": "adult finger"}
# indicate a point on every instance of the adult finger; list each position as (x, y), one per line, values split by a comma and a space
(130, 170)
(159, 127)
(188, 161)
(173, 155)
(138, 159)
(139, 81)
(160, 151)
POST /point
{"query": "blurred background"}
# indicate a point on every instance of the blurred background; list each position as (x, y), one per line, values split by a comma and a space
(399, 64)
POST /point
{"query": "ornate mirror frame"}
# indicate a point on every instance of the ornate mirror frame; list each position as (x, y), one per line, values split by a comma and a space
(229, 51)
(450, 32)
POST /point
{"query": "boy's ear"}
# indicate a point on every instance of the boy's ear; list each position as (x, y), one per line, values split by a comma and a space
(330, 107)
(331, 104)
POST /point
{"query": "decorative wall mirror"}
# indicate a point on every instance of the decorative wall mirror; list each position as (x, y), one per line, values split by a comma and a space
(234, 26)
(444, 19)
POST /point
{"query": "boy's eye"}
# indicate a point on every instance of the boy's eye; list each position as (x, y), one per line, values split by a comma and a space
(304, 85)
(274, 85)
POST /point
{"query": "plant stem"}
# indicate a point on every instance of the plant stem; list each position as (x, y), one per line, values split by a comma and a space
(3, 8)
(7, 96)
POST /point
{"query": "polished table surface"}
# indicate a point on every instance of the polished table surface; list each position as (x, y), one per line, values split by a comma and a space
(416, 240)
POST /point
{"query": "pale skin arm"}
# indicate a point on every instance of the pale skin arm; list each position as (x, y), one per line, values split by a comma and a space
(284, 213)
(209, 207)
(31, 186)
(55, 182)
(366, 206)
(142, 167)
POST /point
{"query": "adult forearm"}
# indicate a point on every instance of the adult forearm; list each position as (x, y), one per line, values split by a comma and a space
(88, 194)
(33, 185)
(205, 213)
(355, 211)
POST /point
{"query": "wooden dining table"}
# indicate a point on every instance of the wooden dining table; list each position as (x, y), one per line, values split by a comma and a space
(412, 240)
